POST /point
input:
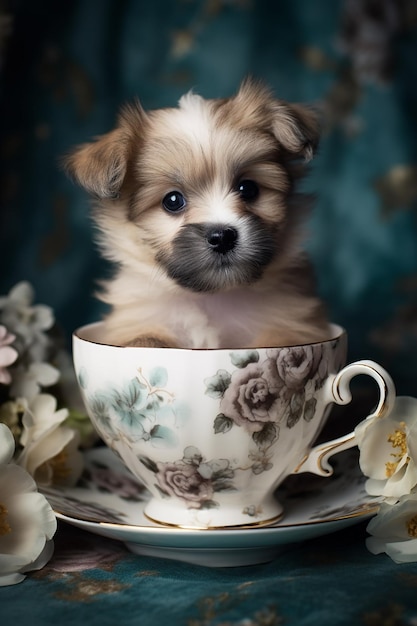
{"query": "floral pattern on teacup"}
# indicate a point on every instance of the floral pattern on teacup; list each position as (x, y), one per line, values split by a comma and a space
(140, 409)
(192, 479)
(262, 392)
(260, 396)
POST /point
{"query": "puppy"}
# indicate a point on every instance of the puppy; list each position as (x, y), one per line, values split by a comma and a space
(198, 208)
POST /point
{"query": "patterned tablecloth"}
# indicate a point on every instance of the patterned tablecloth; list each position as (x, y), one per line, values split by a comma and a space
(329, 581)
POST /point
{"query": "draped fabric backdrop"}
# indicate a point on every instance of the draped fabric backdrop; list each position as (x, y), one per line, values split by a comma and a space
(68, 66)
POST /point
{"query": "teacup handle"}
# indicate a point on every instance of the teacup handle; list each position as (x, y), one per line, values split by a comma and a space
(338, 391)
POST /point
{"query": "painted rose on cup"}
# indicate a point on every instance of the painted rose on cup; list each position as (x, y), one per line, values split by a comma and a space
(298, 365)
(192, 479)
(252, 397)
(259, 396)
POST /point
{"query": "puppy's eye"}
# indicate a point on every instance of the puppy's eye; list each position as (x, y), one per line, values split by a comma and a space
(248, 190)
(174, 202)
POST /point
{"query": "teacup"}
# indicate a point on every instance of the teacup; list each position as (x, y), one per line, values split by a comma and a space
(213, 433)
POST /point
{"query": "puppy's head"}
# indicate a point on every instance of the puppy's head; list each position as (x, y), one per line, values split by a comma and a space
(205, 191)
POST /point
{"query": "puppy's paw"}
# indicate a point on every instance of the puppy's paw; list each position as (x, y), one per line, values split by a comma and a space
(151, 342)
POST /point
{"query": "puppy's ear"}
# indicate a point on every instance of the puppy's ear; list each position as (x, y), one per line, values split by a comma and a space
(100, 167)
(296, 128)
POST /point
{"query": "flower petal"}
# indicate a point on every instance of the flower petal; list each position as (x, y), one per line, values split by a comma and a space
(375, 448)
(22, 293)
(402, 551)
(54, 458)
(41, 450)
(388, 450)
(394, 530)
(42, 559)
(5, 377)
(44, 373)
(405, 410)
(41, 417)
(44, 317)
(7, 445)
(8, 355)
(6, 338)
(412, 441)
(28, 521)
(32, 522)
(11, 579)
(23, 386)
(14, 480)
(398, 551)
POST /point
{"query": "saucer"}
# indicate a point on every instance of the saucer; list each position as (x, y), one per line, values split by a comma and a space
(109, 501)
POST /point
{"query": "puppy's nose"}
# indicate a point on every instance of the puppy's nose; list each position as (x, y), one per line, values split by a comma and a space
(222, 238)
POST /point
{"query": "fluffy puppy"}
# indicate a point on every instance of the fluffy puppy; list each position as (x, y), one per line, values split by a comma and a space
(197, 207)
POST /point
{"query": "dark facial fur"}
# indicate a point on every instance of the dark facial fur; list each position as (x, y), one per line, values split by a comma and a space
(214, 257)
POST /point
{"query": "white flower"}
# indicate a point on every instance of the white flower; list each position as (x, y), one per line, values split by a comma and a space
(50, 450)
(394, 530)
(27, 522)
(8, 355)
(26, 320)
(388, 450)
(27, 381)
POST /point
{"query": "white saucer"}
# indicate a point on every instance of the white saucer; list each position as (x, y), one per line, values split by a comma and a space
(110, 502)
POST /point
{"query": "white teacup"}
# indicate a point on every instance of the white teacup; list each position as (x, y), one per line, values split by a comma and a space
(212, 433)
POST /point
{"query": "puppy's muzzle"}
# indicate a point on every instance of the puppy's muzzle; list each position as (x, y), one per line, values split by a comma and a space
(213, 257)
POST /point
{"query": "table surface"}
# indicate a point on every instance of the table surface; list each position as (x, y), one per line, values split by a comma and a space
(331, 580)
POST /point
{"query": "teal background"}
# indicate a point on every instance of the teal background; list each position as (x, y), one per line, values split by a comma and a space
(68, 66)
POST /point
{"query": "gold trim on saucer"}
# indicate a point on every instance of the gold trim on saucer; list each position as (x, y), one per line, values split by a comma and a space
(268, 522)
(367, 511)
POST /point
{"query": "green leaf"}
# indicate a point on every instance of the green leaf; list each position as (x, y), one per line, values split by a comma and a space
(158, 377)
(192, 455)
(205, 471)
(242, 358)
(310, 409)
(296, 408)
(259, 468)
(223, 485)
(149, 464)
(82, 423)
(266, 437)
(83, 378)
(131, 396)
(222, 424)
(217, 385)
(209, 504)
(165, 435)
